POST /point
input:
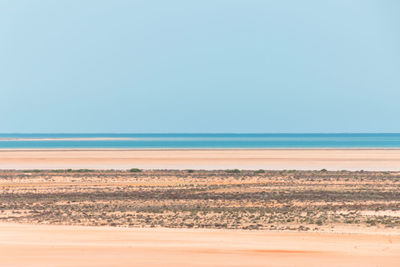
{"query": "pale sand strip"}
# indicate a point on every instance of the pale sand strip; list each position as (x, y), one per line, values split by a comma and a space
(62, 246)
(331, 159)
(7, 139)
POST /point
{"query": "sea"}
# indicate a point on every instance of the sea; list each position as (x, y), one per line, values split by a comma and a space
(198, 141)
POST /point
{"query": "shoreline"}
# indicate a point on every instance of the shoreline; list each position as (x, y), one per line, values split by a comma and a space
(198, 149)
(207, 159)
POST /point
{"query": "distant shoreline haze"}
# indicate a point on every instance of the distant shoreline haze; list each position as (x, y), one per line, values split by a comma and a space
(198, 141)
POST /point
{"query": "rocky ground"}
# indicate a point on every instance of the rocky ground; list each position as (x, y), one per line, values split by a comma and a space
(231, 199)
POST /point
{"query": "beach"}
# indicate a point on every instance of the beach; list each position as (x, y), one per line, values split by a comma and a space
(199, 133)
(208, 159)
(68, 208)
(199, 218)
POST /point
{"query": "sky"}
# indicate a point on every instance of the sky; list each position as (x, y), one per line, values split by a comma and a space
(73, 66)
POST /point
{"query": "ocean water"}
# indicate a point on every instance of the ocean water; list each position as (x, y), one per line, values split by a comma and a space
(182, 141)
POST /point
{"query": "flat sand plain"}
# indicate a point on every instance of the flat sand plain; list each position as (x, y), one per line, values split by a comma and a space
(275, 218)
(273, 159)
(199, 218)
(62, 246)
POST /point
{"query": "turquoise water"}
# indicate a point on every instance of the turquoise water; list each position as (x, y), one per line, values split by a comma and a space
(200, 141)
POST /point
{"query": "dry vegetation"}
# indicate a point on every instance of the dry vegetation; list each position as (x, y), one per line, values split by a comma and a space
(272, 200)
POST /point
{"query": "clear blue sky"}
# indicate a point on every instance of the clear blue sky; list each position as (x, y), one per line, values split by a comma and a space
(199, 66)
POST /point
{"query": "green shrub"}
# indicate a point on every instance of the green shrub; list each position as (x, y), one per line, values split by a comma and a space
(233, 171)
(36, 170)
(135, 170)
(83, 170)
(57, 171)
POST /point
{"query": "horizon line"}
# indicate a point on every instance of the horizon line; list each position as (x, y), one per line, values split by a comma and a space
(1, 133)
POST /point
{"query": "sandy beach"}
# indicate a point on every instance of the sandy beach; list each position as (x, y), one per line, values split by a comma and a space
(43, 245)
(301, 159)
(359, 210)
(199, 133)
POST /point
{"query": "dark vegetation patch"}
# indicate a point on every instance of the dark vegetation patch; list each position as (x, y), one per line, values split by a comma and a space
(234, 199)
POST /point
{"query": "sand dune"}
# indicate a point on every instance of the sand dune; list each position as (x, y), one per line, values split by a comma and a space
(42, 245)
(332, 159)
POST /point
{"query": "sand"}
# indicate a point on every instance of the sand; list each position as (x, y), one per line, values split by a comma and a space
(302, 159)
(83, 246)
(43, 245)
(66, 139)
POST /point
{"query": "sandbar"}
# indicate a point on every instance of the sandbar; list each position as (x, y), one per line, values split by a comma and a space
(208, 159)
